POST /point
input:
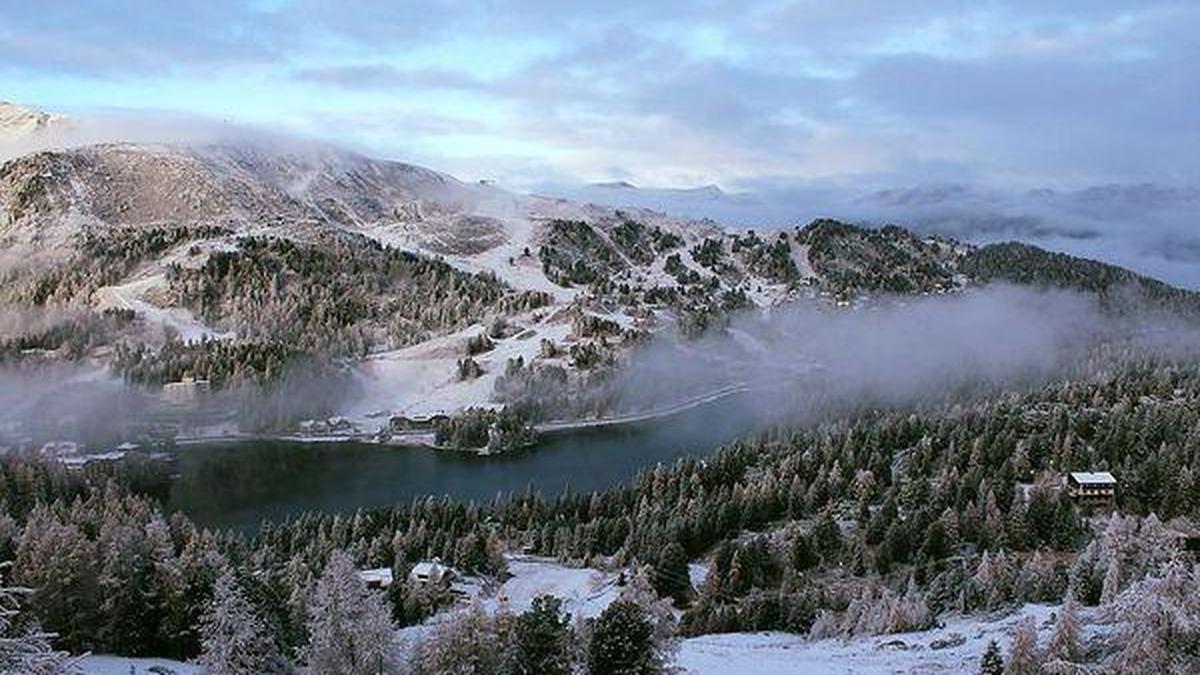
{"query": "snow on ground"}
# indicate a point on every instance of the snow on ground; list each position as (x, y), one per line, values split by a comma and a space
(585, 592)
(131, 295)
(121, 665)
(423, 379)
(697, 572)
(954, 648)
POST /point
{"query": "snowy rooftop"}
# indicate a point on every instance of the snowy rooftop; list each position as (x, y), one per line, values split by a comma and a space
(429, 569)
(381, 576)
(1093, 478)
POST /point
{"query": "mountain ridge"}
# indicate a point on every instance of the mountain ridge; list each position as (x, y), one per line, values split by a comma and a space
(419, 280)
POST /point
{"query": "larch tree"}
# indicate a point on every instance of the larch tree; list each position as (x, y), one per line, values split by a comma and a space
(350, 628)
(232, 637)
(1023, 656)
(464, 644)
(1064, 642)
(1159, 630)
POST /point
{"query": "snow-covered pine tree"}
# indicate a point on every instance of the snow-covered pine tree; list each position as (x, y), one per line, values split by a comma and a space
(622, 642)
(350, 628)
(1112, 582)
(992, 663)
(232, 637)
(23, 647)
(543, 639)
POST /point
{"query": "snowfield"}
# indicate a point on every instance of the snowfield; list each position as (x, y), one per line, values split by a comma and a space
(120, 665)
(423, 379)
(585, 592)
(956, 647)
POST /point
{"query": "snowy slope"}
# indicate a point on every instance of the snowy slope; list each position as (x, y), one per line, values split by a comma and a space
(123, 665)
(956, 647)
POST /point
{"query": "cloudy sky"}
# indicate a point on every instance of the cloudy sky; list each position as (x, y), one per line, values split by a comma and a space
(1075, 125)
(658, 93)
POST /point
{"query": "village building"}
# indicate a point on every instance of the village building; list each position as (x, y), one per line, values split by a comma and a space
(417, 422)
(186, 391)
(378, 579)
(431, 573)
(1093, 489)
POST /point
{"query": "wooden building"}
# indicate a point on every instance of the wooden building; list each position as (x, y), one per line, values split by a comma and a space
(1093, 489)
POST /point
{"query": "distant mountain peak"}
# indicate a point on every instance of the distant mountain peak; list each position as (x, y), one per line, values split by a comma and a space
(17, 120)
(615, 185)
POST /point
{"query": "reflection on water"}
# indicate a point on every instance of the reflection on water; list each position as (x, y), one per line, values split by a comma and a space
(240, 485)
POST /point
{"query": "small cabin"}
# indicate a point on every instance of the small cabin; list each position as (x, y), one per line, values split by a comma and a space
(378, 579)
(431, 573)
(1092, 488)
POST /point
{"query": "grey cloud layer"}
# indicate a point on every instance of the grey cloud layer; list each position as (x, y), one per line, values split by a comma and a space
(1074, 92)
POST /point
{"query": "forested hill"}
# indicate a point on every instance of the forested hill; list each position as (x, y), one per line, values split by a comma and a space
(1019, 263)
(229, 262)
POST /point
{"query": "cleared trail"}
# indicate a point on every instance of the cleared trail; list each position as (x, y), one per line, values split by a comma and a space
(646, 415)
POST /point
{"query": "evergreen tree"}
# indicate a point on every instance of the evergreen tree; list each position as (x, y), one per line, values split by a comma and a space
(350, 629)
(543, 639)
(671, 576)
(23, 647)
(622, 642)
(992, 662)
(233, 639)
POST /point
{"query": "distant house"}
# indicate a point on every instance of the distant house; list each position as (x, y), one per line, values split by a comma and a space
(417, 422)
(377, 578)
(431, 573)
(186, 391)
(1092, 488)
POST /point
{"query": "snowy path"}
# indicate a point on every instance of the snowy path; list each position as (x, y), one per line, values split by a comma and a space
(645, 416)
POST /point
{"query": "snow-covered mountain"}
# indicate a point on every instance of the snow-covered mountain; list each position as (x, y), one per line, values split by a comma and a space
(19, 122)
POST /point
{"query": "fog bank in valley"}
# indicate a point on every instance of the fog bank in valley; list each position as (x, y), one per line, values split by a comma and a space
(807, 359)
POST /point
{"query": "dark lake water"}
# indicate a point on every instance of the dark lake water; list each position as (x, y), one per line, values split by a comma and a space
(239, 485)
